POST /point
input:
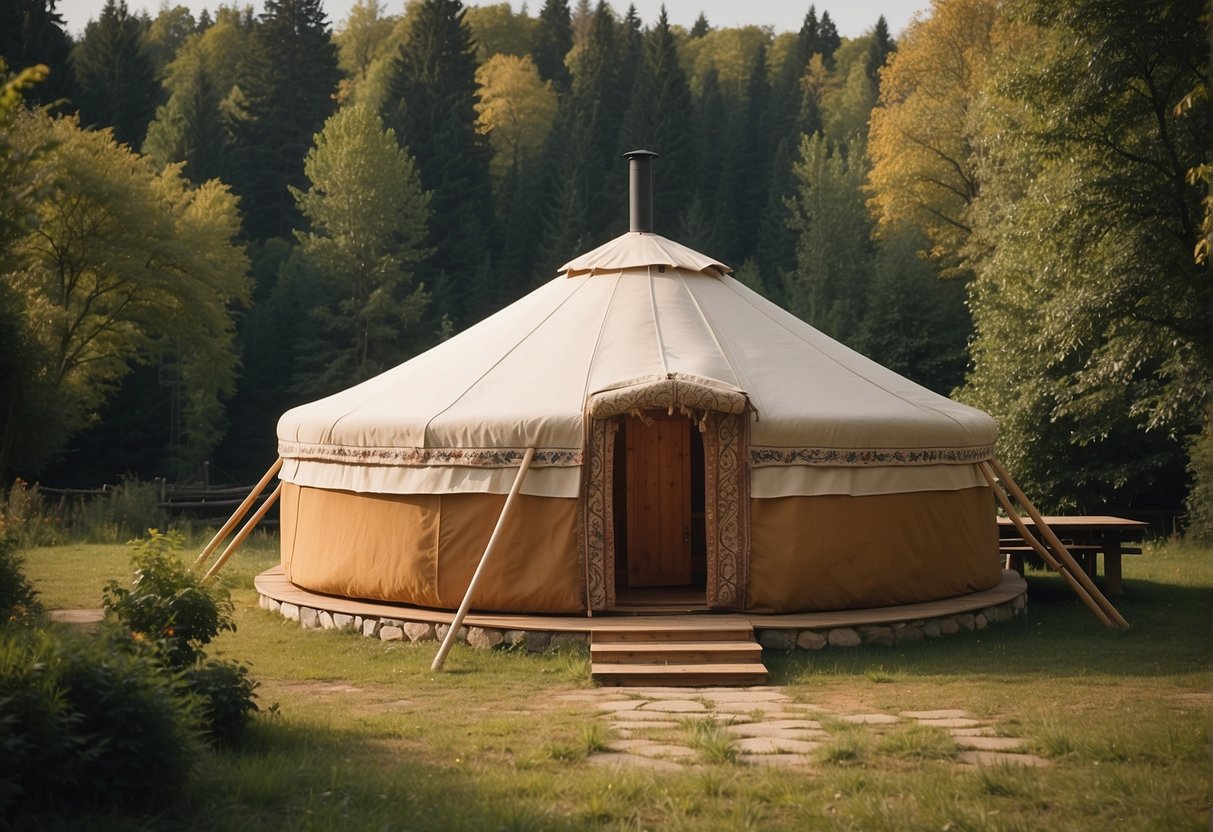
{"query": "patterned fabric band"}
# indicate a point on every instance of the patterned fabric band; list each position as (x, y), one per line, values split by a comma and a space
(422, 457)
(762, 457)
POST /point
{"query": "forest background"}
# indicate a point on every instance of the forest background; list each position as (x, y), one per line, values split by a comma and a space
(205, 221)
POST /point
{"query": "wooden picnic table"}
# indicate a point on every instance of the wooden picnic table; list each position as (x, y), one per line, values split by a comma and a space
(1090, 534)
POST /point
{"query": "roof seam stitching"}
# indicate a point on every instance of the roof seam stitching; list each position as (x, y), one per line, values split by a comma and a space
(738, 376)
(606, 312)
(426, 430)
(665, 368)
(823, 353)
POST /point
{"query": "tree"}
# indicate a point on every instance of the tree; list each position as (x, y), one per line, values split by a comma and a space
(433, 98)
(128, 267)
(115, 74)
(915, 323)
(1094, 344)
(191, 128)
(553, 40)
(700, 27)
(167, 33)
(880, 46)
(194, 125)
(367, 215)
(24, 400)
(921, 141)
(32, 33)
(288, 82)
(659, 118)
(515, 111)
(829, 288)
(366, 33)
(496, 30)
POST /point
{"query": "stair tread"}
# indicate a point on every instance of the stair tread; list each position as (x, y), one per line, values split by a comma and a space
(659, 646)
(660, 635)
(730, 667)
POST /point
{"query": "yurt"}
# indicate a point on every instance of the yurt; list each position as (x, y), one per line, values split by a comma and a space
(681, 433)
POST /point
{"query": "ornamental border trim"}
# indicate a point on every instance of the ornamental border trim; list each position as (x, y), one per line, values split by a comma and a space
(422, 457)
(761, 457)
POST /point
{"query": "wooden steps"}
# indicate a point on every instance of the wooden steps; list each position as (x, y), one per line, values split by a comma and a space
(677, 656)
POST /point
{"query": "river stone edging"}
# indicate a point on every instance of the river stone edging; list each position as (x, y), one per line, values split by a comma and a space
(539, 641)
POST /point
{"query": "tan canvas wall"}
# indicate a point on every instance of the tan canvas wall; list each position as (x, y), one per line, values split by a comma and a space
(422, 549)
(839, 552)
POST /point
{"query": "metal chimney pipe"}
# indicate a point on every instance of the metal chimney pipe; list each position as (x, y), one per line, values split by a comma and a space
(640, 182)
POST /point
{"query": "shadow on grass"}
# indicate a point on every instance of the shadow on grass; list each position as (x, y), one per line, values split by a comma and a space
(1169, 635)
(301, 776)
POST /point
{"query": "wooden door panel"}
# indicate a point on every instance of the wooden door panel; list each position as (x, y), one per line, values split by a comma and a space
(659, 502)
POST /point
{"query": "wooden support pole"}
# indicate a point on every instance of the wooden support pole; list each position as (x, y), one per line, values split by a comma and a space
(238, 514)
(244, 532)
(457, 621)
(1044, 553)
(1059, 549)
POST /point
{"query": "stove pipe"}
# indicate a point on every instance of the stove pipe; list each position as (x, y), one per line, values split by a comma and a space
(640, 182)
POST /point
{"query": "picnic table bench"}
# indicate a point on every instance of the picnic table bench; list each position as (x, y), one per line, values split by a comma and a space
(1086, 536)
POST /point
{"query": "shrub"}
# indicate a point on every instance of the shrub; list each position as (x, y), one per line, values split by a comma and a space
(18, 599)
(25, 517)
(133, 717)
(225, 696)
(167, 604)
(37, 725)
(88, 721)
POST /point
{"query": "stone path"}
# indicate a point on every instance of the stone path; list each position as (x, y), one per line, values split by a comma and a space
(651, 727)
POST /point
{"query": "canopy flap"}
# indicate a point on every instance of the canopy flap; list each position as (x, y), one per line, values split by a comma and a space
(668, 393)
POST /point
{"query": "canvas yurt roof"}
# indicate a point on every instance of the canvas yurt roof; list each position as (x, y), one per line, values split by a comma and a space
(641, 322)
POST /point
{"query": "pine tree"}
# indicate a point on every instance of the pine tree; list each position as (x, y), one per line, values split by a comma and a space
(190, 127)
(553, 40)
(32, 32)
(660, 118)
(881, 47)
(700, 27)
(116, 77)
(828, 40)
(432, 98)
(290, 76)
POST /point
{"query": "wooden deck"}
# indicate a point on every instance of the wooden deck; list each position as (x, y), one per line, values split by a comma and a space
(273, 583)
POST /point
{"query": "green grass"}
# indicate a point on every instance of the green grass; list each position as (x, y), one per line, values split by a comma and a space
(363, 735)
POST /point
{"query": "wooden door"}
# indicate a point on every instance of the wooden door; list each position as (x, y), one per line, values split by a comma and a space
(659, 501)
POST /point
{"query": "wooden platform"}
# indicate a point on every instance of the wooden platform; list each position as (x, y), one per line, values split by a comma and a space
(273, 584)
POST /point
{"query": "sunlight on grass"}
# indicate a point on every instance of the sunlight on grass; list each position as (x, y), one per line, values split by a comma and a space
(364, 735)
(912, 741)
(711, 740)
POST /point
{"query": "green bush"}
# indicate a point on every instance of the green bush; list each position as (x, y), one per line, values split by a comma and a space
(134, 717)
(18, 599)
(25, 517)
(37, 725)
(170, 609)
(167, 604)
(89, 721)
(225, 696)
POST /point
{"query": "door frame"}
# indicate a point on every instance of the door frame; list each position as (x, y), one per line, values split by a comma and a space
(726, 448)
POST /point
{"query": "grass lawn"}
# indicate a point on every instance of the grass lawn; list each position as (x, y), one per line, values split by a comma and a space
(356, 734)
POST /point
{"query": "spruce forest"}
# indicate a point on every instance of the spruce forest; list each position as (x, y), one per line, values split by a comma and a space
(207, 220)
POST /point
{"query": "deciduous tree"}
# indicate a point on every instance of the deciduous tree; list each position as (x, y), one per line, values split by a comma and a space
(368, 226)
(125, 267)
(922, 136)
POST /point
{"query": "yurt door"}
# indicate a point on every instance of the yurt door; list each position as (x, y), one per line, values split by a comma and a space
(658, 501)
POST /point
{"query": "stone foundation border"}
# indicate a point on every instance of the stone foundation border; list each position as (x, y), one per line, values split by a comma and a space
(877, 627)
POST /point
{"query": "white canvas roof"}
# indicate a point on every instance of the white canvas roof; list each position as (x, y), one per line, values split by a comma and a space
(639, 311)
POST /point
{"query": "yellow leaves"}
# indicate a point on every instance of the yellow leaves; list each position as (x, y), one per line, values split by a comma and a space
(516, 109)
(921, 139)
